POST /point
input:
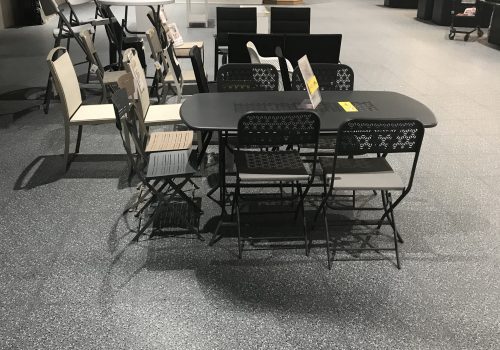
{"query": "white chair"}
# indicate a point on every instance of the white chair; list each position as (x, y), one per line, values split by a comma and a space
(274, 61)
(75, 113)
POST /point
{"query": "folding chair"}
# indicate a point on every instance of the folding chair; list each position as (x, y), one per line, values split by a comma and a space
(239, 77)
(164, 114)
(331, 77)
(168, 74)
(377, 138)
(163, 174)
(75, 113)
(261, 163)
(107, 79)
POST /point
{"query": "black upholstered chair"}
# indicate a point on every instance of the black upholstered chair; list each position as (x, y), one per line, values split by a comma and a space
(287, 20)
(262, 161)
(374, 139)
(238, 77)
(232, 20)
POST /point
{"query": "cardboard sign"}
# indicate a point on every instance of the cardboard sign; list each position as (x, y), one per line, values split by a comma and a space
(312, 85)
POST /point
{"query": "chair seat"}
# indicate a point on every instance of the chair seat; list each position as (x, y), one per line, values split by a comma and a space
(169, 164)
(163, 114)
(362, 174)
(183, 50)
(112, 77)
(94, 114)
(187, 75)
(169, 141)
(270, 166)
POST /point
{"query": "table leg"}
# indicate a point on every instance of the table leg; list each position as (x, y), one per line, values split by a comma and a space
(222, 187)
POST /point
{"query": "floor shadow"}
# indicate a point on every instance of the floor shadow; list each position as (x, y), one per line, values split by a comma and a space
(47, 169)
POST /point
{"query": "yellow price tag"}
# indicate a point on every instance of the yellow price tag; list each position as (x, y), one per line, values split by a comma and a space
(312, 85)
(348, 106)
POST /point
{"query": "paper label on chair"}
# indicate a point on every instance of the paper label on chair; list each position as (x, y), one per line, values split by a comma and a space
(157, 65)
(93, 69)
(348, 106)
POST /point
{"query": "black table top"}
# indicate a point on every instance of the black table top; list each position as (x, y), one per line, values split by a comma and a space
(221, 111)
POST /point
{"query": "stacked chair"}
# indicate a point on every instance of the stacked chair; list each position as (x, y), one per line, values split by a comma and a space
(164, 173)
(288, 20)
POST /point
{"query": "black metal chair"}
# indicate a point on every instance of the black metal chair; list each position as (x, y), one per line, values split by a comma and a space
(238, 77)
(163, 174)
(232, 20)
(289, 20)
(265, 158)
(375, 138)
(331, 77)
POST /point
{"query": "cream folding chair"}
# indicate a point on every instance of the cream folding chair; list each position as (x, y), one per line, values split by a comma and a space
(148, 114)
(169, 74)
(107, 79)
(75, 113)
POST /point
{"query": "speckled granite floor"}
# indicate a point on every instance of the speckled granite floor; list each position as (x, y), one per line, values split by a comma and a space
(70, 279)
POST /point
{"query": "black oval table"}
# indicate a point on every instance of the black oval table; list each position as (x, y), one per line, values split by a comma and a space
(220, 112)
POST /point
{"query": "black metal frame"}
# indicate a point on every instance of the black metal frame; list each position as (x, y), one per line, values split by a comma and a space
(164, 189)
(268, 132)
(238, 77)
(380, 137)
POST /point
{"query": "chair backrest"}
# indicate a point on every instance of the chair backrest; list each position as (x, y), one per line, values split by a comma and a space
(236, 77)
(91, 51)
(290, 20)
(133, 66)
(65, 80)
(270, 129)
(51, 7)
(235, 20)
(174, 64)
(154, 44)
(362, 136)
(198, 69)
(331, 77)
(253, 53)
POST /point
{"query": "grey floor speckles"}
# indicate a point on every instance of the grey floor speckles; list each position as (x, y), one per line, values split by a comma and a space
(70, 278)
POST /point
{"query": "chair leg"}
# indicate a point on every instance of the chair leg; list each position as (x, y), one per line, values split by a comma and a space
(78, 139)
(327, 233)
(66, 146)
(238, 220)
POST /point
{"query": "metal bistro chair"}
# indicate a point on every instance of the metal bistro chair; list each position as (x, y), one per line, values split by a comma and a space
(261, 163)
(240, 77)
(331, 77)
(107, 79)
(232, 20)
(163, 174)
(377, 138)
(75, 113)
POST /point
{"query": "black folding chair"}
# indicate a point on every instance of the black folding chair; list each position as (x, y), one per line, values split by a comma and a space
(239, 77)
(163, 174)
(375, 138)
(331, 77)
(264, 159)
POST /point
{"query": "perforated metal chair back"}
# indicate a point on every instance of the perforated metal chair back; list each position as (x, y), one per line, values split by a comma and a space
(269, 129)
(360, 136)
(237, 77)
(288, 20)
(198, 69)
(331, 77)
